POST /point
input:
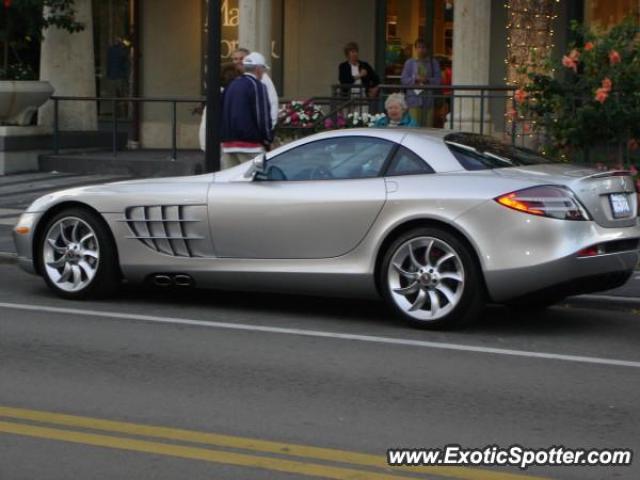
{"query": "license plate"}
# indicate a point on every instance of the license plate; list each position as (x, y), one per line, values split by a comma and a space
(620, 205)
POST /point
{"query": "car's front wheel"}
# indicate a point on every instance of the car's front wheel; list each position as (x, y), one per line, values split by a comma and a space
(77, 256)
(430, 278)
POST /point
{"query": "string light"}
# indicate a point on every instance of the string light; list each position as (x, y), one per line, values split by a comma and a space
(530, 32)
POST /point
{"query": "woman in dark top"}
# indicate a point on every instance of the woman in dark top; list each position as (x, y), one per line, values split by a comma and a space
(356, 72)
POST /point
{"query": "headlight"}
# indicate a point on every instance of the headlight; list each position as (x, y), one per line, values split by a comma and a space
(546, 201)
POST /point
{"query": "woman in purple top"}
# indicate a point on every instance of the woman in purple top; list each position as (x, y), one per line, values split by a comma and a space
(422, 70)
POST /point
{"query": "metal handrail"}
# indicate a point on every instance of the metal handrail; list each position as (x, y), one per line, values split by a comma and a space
(336, 102)
(114, 101)
(484, 92)
(393, 86)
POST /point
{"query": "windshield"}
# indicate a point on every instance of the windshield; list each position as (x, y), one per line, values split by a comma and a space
(481, 152)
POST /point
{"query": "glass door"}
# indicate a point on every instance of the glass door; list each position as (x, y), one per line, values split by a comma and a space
(408, 20)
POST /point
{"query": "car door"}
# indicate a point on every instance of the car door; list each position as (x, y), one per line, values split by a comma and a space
(317, 200)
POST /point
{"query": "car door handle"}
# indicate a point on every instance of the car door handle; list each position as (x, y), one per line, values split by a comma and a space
(391, 186)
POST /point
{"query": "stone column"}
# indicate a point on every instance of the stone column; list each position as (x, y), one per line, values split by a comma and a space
(254, 31)
(471, 57)
(67, 61)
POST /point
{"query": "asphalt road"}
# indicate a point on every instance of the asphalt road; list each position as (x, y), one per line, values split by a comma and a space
(211, 385)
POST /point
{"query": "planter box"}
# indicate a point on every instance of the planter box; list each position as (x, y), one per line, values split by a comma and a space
(19, 100)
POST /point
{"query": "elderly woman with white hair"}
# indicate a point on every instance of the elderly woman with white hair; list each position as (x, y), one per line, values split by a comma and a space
(397, 113)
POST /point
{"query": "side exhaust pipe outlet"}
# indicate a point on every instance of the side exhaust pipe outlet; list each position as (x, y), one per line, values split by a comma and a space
(183, 281)
(162, 281)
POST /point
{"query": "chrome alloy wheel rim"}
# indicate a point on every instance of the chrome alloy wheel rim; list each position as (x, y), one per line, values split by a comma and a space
(71, 254)
(426, 278)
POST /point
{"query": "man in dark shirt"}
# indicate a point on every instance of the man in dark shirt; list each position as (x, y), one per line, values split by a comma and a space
(246, 118)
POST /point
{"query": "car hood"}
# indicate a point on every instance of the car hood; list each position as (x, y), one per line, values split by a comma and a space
(116, 196)
(205, 178)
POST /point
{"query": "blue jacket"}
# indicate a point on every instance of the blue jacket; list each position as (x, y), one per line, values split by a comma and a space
(245, 112)
(406, 121)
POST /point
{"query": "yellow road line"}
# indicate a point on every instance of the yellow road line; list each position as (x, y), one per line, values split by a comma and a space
(193, 453)
(255, 445)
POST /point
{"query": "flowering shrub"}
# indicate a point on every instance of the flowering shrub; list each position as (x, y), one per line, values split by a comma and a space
(355, 119)
(299, 114)
(594, 97)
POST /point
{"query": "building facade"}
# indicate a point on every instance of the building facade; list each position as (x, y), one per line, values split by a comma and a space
(157, 48)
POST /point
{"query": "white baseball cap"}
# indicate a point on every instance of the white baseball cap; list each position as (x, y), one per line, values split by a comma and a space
(255, 58)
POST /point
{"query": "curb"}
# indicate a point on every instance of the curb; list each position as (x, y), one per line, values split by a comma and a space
(603, 302)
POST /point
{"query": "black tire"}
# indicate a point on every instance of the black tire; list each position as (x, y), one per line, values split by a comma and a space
(471, 298)
(106, 278)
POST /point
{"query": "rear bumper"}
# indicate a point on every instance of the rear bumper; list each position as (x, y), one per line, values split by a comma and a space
(562, 278)
(521, 253)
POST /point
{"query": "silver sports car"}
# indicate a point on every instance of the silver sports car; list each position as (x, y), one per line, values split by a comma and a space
(435, 222)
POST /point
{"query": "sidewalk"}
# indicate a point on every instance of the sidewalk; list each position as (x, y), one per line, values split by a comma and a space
(18, 191)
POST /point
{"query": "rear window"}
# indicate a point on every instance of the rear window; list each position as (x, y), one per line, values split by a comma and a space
(481, 152)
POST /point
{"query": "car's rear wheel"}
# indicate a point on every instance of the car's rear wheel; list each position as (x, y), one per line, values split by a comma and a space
(430, 278)
(77, 256)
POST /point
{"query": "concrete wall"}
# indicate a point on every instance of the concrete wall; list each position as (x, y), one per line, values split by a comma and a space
(67, 61)
(170, 66)
(315, 33)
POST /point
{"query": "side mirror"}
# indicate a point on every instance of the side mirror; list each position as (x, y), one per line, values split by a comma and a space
(260, 163)
(258, 166)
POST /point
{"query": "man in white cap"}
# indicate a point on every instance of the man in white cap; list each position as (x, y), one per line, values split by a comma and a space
(246, 119)
(237, 58)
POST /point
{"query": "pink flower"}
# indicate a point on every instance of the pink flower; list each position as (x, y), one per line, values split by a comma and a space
(574, 55)
(588, 46)
(607, 84)
(570, 63)
(512, 114)
(295, 118)
(602, 95)
(634, 170)
(614, 57)
(328, 123)
(520, 95)
(342, 122)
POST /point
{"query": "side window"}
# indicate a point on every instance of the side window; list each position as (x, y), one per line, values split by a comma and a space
(405, 162)
(335, 158)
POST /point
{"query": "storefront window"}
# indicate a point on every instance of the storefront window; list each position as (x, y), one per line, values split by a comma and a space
(408, 20)
(604, 14)
(230, 23)
(113, 52)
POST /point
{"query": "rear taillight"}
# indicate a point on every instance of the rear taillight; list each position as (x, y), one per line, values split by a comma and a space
(592, 251)
(546, 201)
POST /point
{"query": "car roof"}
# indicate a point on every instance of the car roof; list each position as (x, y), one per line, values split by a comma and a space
(394, 134)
